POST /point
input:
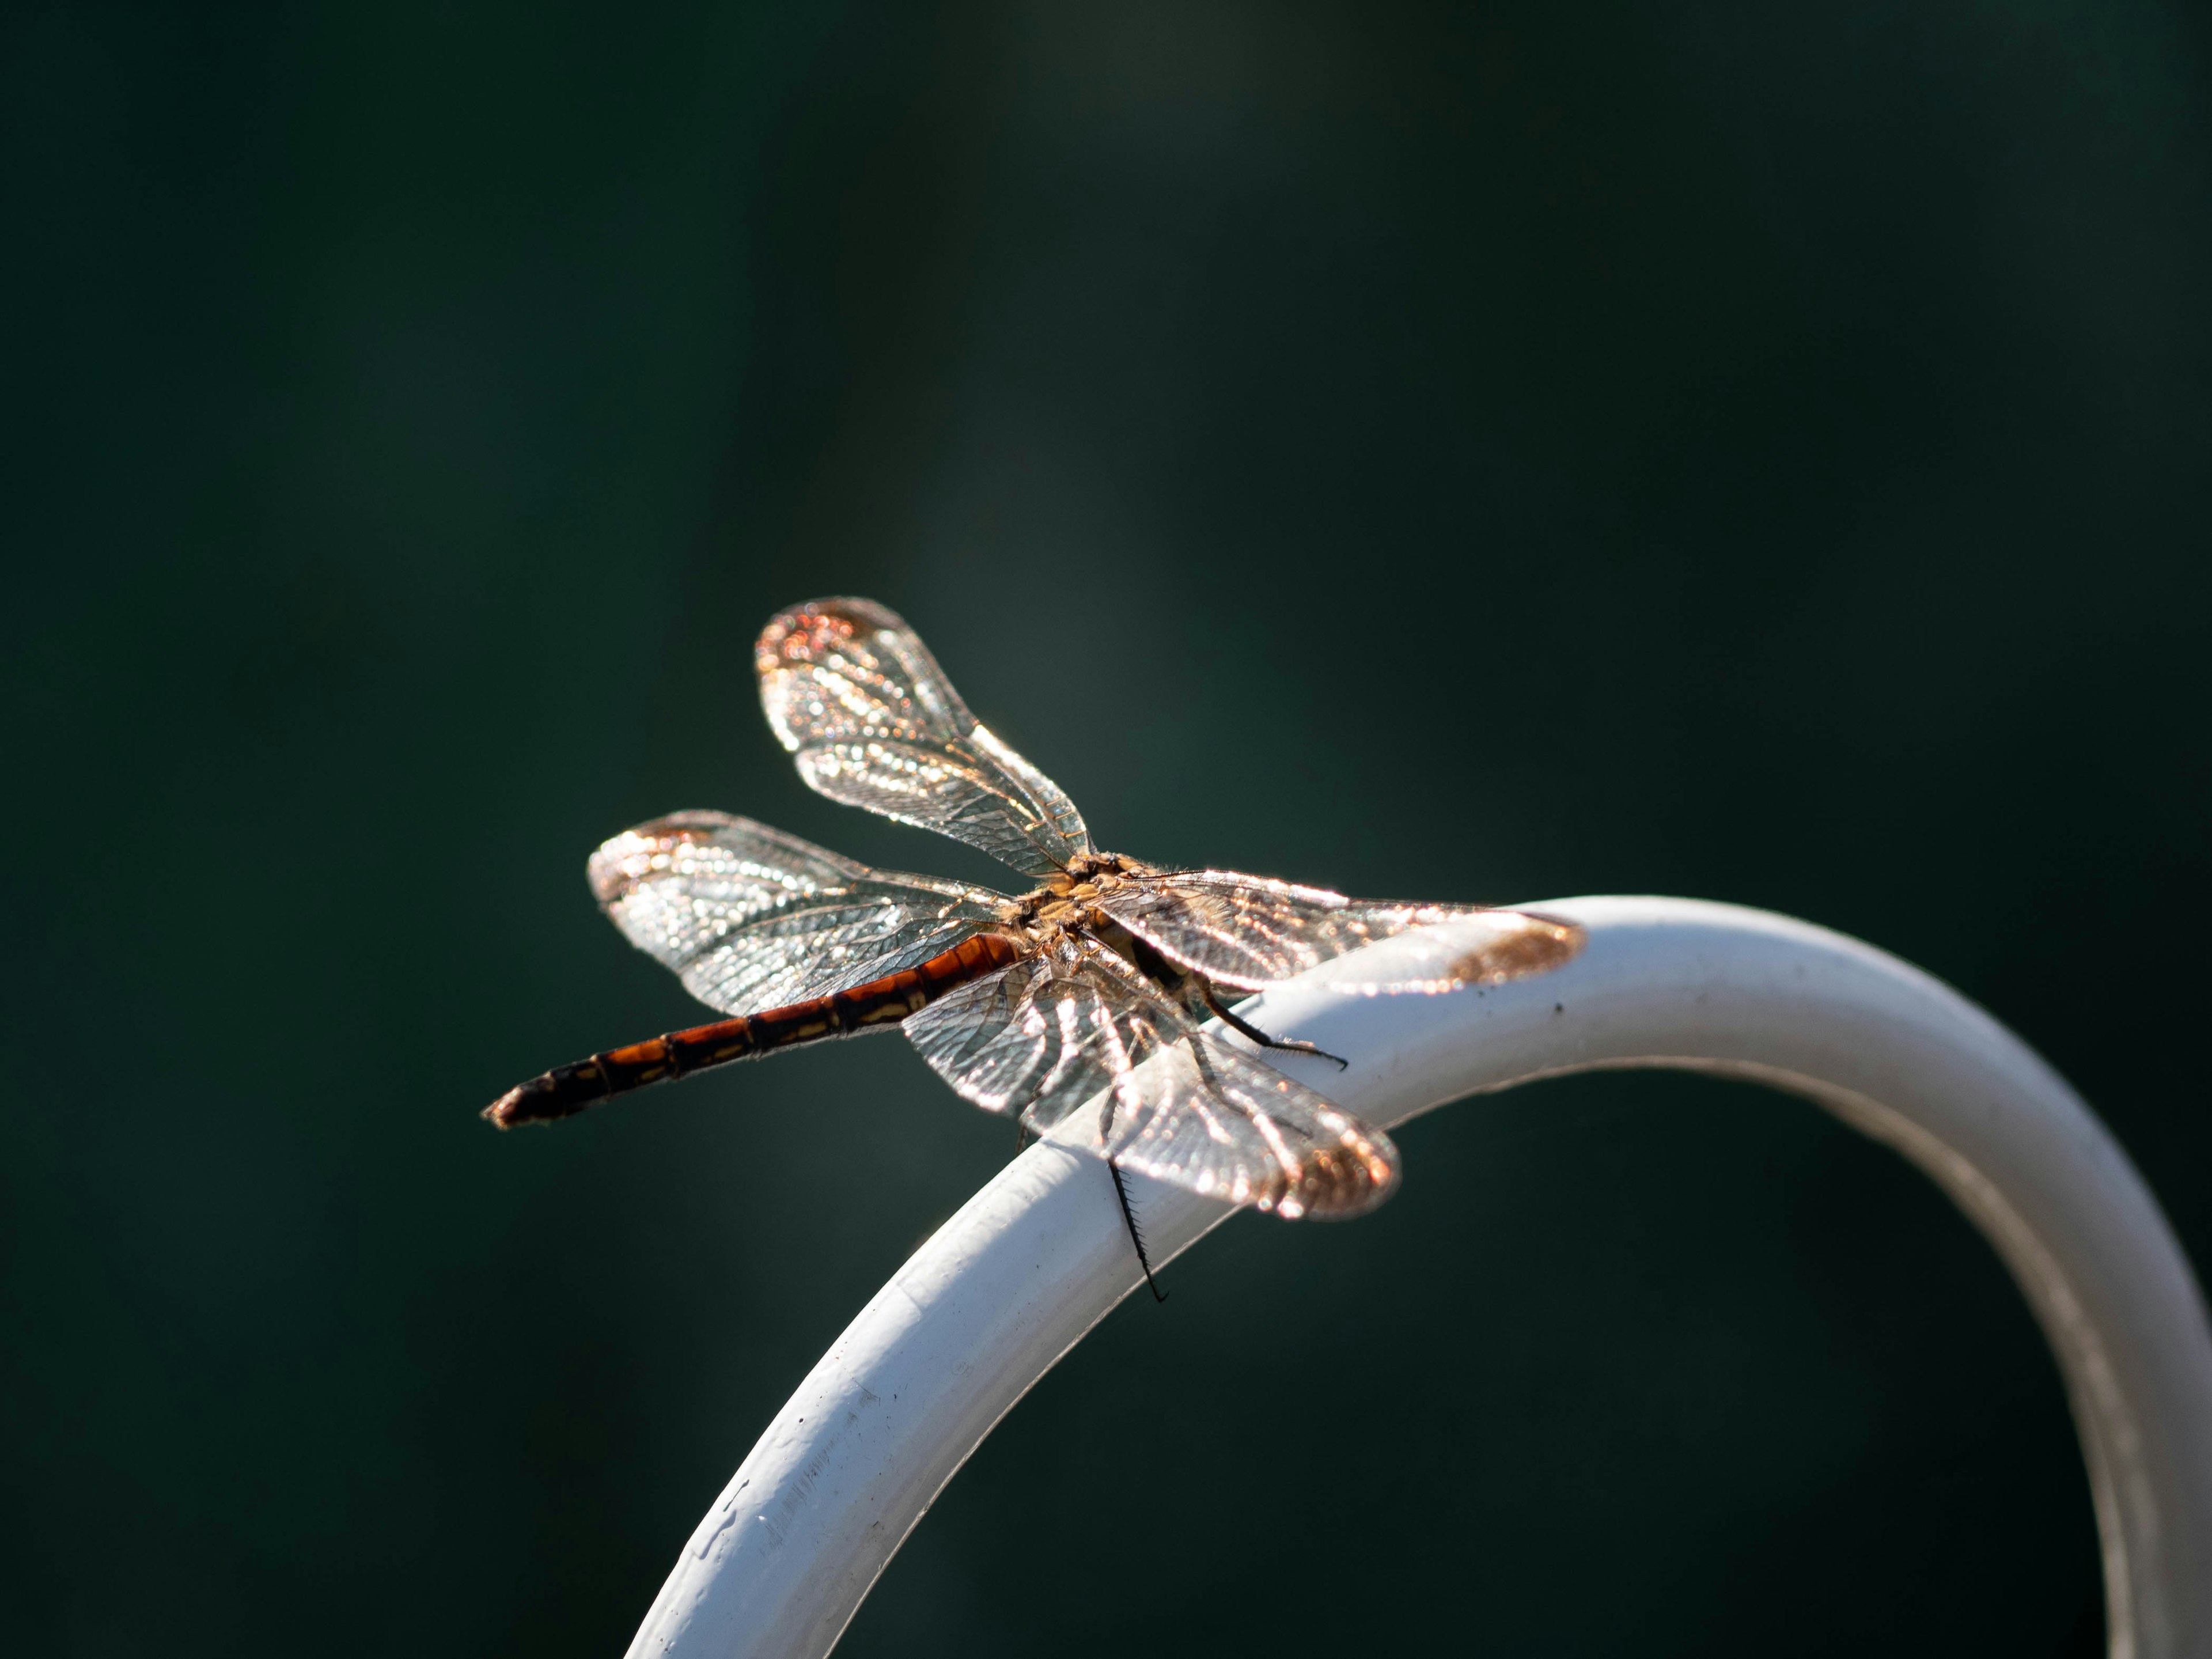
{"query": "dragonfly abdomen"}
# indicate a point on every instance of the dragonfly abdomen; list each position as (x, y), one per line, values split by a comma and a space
(567, 1090)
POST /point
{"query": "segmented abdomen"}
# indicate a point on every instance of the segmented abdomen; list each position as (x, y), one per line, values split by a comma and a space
(567, 1090)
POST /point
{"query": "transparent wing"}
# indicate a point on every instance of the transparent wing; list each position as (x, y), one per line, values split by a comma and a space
(753, 919)
(1007, 1042)
(1049, 1036)
(872, 721)
(1246, 932)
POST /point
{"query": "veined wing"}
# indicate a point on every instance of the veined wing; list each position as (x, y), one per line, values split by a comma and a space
(1047, 1036)
(872, 721)
(752, 919)
(1249, 932)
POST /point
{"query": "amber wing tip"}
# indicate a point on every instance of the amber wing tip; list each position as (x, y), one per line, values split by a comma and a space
(1547, 943)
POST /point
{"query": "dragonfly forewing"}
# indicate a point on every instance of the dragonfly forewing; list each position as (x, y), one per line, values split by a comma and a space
(872, 721)
(753, 919)
(1249, 932)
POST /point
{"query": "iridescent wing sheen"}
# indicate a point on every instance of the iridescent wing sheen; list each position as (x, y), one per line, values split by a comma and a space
(1047, 1038)
(1246, 932)
(872, 721)
(753, 919)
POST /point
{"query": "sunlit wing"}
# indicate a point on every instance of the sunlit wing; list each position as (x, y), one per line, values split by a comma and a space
(1047, 1036)
(1248, 932)
(752, 919)
(872, 721)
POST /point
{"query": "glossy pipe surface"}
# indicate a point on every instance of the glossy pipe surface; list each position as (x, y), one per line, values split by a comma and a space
(1038, 1256)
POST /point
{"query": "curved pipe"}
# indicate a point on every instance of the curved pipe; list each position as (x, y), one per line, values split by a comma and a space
(1039, 1255)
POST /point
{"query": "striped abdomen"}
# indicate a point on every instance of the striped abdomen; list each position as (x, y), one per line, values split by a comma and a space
(567, 1090)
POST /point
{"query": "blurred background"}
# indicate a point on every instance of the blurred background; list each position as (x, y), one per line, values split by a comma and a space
(1469, 453)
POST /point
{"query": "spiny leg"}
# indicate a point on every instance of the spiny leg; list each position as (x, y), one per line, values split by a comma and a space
(1222, 1013)
(1121, 1192)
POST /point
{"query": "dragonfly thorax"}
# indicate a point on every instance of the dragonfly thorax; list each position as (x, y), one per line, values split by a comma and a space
(1065, 903)
(1100, 870)
(1066, 897)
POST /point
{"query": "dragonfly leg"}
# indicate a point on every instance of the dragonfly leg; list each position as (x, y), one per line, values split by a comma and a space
(1222, 1013)
(1121, 1192)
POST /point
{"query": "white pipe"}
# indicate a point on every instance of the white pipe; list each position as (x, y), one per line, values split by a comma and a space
(1039, 1255)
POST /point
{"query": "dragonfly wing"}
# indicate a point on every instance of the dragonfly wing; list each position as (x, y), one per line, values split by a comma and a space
(1202, 1116)
(852, 691)
(1485, 947)
(752, 919)
(1210, 1118)
(1049, 1037)
(1035, 1040)
(1247, 932)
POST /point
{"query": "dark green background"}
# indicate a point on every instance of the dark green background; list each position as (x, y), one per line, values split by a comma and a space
(1759, 452)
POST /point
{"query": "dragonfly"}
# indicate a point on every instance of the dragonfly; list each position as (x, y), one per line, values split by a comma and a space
(1098, 985)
